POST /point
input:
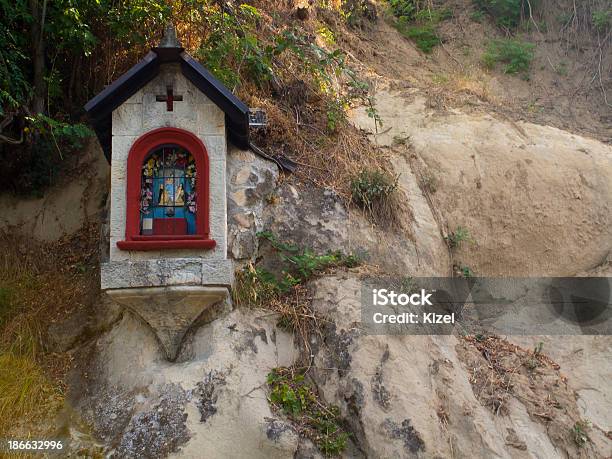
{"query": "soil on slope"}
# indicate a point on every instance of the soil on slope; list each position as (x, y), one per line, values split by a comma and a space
(563, 89)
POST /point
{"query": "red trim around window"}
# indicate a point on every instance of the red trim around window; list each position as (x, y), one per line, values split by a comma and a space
(139, 151)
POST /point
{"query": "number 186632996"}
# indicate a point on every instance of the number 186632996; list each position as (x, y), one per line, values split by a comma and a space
(33, 445)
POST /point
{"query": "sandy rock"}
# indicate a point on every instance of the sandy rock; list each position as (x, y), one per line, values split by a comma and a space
(411, 396)
(82, 324)
(535, 199)
(65, 206)
(213, 399)
(317, 219)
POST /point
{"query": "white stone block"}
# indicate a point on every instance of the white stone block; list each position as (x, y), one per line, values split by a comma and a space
(121, 146)
(117, 254)
(155, 114)
(211, 120)
(127, 119)
(202, 98)
(135, 98)
(215, 146)
(166, 272)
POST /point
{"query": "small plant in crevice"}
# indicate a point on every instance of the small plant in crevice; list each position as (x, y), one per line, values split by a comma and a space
(463, 271)
(255, 287)
(458, 237)
(429, 183)
(284, 293)
(515, 55)
(579, 432)
(537, 349)
(313, 418)
(375, 193)
(533, 361)
(304, 263)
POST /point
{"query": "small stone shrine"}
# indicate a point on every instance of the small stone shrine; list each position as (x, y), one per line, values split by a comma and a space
(164, 127)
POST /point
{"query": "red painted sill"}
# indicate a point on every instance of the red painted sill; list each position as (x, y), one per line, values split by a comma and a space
(153, 243)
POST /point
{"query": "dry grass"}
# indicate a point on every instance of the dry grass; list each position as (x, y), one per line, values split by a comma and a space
(293, 307)
(27, 394)
(327, 160)
(297, 106)
(501, 371)
(39, 284)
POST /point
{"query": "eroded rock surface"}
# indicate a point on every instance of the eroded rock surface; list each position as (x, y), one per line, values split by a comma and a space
(413, 396)
(214, 400)
(318, 219)
(535, 199)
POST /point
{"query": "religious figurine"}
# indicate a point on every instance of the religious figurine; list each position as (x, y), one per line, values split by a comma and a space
(180, 196)
(169, 193)
(181, 160)
(161, 199)
(147, 196)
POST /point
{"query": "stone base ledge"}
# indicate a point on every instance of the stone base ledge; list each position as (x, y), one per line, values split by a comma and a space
(172, 311)
(166, 272)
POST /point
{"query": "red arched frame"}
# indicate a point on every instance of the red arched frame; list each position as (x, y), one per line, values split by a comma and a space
(138, 153)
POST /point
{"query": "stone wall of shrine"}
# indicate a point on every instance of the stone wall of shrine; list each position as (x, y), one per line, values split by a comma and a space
(140, 114)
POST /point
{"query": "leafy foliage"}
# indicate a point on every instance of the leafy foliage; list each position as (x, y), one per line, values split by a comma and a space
(14, 79)
(424, 36)
(506, 13)
(602, 19)
(258, 287)
(419, 22)
(290, 393)
(304, 263)
(516, 55)
(371, 188)
(72, 29)
(457, 237)
(47, 49)
(356, 12)
(403, 9)
(232, 43)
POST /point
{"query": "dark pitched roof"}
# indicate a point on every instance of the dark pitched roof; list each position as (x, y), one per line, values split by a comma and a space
(100, 108)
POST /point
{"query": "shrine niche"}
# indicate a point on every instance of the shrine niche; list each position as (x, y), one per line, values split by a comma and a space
(164, 127)
(167, 192)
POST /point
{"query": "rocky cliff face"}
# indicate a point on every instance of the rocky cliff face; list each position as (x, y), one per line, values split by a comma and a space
(536, 201)
(399, 396)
